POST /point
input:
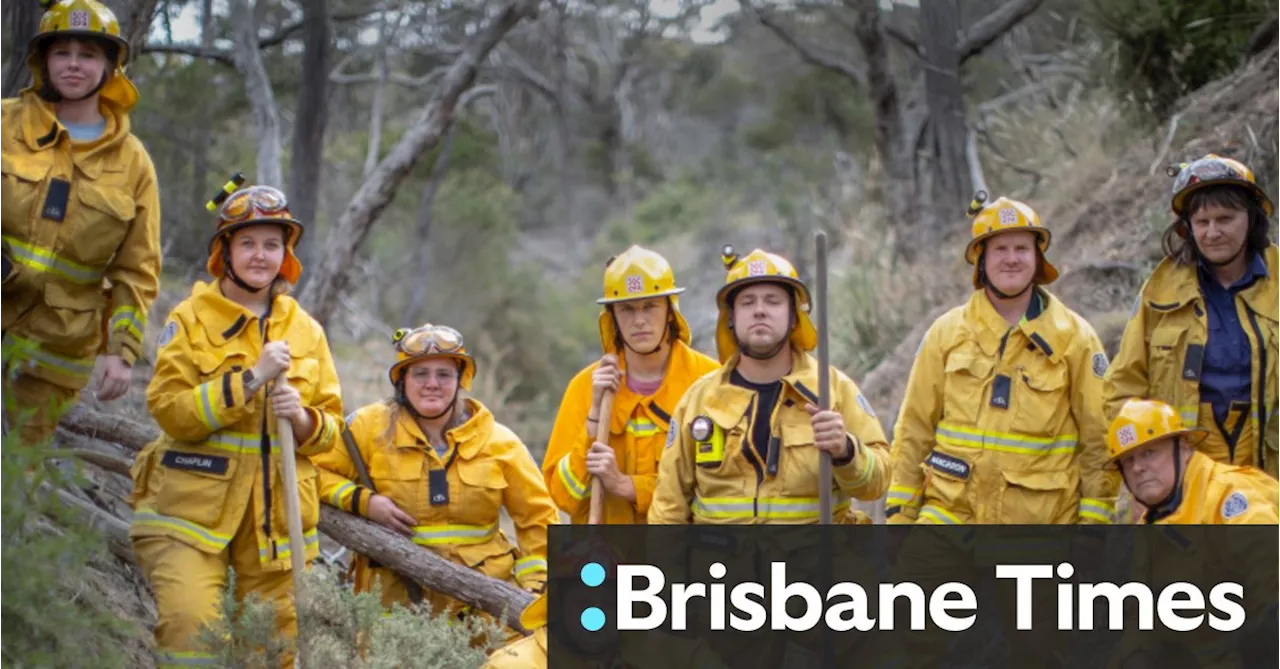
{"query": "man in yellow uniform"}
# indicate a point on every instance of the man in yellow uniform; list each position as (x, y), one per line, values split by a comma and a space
(1163, 468)
(1178, 484)
(648, 364)
(81, 242)
(1204, 330)
(1002, 419)
(746, 440)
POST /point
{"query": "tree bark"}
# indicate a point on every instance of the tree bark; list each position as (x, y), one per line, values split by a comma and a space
(135, 21)
(23, 19)
(944, 93)
(312, 113)
(266, 115)
(321, 294)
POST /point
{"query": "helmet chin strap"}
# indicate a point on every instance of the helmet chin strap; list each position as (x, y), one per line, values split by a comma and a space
(742, 347)
(231, 271)
(987, 283)
(403, 400)
(1200, 254)
(1160, 509)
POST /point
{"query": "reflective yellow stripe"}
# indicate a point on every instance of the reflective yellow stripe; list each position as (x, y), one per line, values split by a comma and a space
(310, 538)
(29, 350)
(184, 658)
(577, 489)
(45, 260)
(455, 535)
(642, 427)
(956, 435)
(148, 518)
(530, 564)
(342, 494)
(239, 443)
(900, 494)
(206, 406)
(865, 474)
(788, 508)
(128, 318)
(1096, 509)
(933, 514)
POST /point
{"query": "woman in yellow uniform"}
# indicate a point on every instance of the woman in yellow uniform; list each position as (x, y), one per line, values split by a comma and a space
(441, 470)
(1203, 336)
(209, 494)
(81, 218)
(649, 364)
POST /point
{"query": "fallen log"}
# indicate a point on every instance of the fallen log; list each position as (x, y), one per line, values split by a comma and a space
(500, 599)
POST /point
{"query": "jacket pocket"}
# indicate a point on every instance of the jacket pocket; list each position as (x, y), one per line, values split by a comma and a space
(141, 473)
(308, 496)
(965, 385)
(1164, 364)
(193, 484)
(23, 184)
(72, 324)
(1035, 498)
(798, 460)
(95, 233)
(1043, 400)
(302, 377)
(495, 559)
(480, 496)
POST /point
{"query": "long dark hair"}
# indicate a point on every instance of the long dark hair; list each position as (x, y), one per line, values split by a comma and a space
(1178, 240)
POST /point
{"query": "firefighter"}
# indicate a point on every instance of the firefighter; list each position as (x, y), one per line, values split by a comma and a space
(1203, 336)
(1177, 483)
(1002, 418)
(81, 221)
(440, 471)
(648, 364)
(1165, 469)
(748, 437)
(209, 493)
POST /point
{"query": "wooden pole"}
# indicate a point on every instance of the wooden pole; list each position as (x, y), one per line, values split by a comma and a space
(297, 543)
(824, 375)
(605, 419)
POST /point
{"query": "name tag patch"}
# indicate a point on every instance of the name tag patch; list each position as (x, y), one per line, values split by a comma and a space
(949, 465)
(195, 462)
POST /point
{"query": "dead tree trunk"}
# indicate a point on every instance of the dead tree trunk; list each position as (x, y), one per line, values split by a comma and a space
(312, 115)
(322, 292)
(266, 116)
(944, 93)
(23, 20)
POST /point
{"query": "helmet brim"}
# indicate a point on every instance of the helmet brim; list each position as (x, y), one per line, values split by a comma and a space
(1179, 200)
(1192, 435)
(616, 300)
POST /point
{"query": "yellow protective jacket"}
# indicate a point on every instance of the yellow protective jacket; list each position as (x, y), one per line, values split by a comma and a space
(1036, 457)
(195, 483)
(637, 432)
(722, 481)
(56, 303)
(487, 468)
(1169, 322)
(1218, 494)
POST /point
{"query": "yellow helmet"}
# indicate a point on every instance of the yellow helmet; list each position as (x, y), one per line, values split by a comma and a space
(1005, 215)
(431, 341)
(1141, 422)
(762, 267)
(254, 205)
(638, 274)
(86, 19)
(1214, 170)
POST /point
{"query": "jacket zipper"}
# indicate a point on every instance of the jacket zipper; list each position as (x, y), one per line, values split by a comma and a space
(265, 451)
(750, 452)
(1261, 383)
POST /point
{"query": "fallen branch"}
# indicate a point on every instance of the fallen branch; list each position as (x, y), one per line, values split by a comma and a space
(502, 600)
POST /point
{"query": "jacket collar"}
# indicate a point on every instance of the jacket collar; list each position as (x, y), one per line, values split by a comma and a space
(681, 365)
(1049, 331)
(469, 438)
(1172, 286)
(224, 319)
(728, 403)
(42, 131)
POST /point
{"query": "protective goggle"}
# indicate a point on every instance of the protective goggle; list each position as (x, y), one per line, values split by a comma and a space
(1189, 174)
(254, 202)
(428, 339)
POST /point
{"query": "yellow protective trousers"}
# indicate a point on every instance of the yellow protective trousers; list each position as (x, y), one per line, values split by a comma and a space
(189, 584)
(33, 406)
